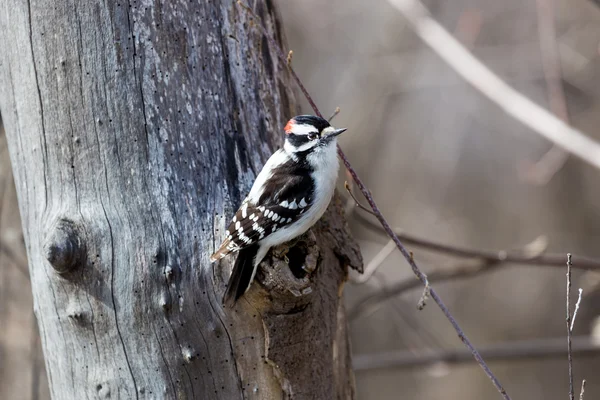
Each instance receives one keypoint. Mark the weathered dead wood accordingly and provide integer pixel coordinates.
(135, 129)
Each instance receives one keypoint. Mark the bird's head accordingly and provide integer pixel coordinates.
(307, 133)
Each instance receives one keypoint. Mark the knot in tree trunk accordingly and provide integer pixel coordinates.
(63, 246)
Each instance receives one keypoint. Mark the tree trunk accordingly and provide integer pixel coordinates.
(135, 130)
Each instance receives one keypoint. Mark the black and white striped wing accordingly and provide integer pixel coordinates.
(279, 206)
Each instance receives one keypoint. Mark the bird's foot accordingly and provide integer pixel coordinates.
(281, 253)
(282, 250)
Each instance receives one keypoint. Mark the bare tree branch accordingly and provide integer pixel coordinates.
(582, 390)
(357, 203)
(569, 343)
(375, 262)
(372, 302)
(484, 80)
(367, 194)
(552, 260)
(506, 351)
(465, 270)
(423, 278)
(570, 324)
(335, 113)
(484, 262)
(576, 309)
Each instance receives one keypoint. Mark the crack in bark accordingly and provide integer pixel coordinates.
(162, 354)
(112, 293)
(140, 81)
(179, 345)
(39, 93)
(232, 350)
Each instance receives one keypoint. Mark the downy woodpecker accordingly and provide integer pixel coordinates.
(288, 196)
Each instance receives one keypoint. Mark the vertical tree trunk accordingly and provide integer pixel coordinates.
(135, 129)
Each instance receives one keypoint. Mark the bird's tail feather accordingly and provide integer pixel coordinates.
(241, 275)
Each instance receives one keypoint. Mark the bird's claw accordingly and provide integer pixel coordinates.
(282, 254)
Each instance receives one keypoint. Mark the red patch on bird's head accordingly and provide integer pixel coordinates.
(289, 126)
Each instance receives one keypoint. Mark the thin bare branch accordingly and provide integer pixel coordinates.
(507, 351)
(358, 204)
(569, 343)
(552, 260)
(375, 262)
(484, 80)
(582, 390)
(424, 296)
(464, 270)
(423, 278)
(282, 56)
(576, 308)
(372, 302)
(350, 203)
(335, 113)
(543, 170)
(416, 270)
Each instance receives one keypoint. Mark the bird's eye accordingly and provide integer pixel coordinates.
(312, 136)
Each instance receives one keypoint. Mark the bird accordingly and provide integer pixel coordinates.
(289, 195)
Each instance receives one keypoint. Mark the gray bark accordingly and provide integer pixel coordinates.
(135, 129)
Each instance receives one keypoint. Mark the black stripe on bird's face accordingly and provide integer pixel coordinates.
(300, 142)
(297, 140)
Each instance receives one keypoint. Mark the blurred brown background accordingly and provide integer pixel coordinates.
(444, 163)
(22, 373)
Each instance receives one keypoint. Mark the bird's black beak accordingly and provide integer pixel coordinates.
(336, 132)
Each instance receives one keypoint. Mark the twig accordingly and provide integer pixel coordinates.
(424, 296)
(576, 309)
(569, 344)
(358, 204)
(375, 263)
(507, 351)
(414, 333)
(282, 56)
(582, 390)
(372, 302)
(465, 270)
(542, 171)
(554, 260)
(570, 332)
(350, 203)
(335, 113)
(484, 80)
(389, 230)
(423, 278)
